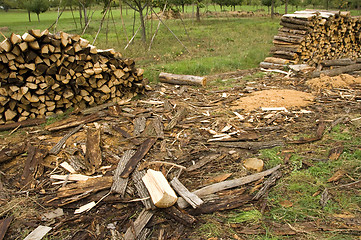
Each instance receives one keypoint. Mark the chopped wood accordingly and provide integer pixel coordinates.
(68, 167)
(120, 184)
(93, 155)
(4, 225)
(142, 190)
(189, 197)
(134, 230)
(216, 187)
(140, 153)
(180, 215)
(56, 149)
(38, 233)
(160, 191)
(182, 79)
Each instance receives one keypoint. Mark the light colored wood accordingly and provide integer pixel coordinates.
(6, 45)
(15, 38)
(38, 233)
(160, 191)
(28, 37)
(182, 79)
(189, 197)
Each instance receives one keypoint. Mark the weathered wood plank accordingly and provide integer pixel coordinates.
(120, 184)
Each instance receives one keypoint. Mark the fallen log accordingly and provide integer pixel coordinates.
(182, 79)
(26, 123)
(338, 62)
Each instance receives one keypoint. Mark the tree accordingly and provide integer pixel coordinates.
(36, 6)
(139, 6)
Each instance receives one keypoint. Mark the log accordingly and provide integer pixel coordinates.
(12, 151)
(182, 79)
(338, 62)
(337, 71)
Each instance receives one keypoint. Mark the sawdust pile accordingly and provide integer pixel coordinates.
(326, 82)
(274, 98)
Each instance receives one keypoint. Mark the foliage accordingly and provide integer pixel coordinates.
(37, 6)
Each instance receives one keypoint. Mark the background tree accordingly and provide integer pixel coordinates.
(37, 6)
(139, 6)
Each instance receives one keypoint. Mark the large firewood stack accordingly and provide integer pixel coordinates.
(43, 73)
(313, 36)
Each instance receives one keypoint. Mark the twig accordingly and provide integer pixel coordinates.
(170, 30)
(15, 130)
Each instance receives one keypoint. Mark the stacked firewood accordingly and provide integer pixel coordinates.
(42, 74)
(314, 36)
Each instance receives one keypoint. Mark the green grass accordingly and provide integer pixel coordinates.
(252, 216)
(302, 187)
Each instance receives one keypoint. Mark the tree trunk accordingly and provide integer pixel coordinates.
(142, 25)
(183, 7)
(198, 14)
(80, 17)
(85, 16)
(38, 17)
(29, 16)
(273, 9)
(286, 6)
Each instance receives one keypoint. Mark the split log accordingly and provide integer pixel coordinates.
(182, 79)
(160, 191)
(227, 185)
(142, 190)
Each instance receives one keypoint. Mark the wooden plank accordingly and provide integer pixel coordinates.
(93, 155)
(38, 233)
(189, 197)
(216, 187)
(120, 184)
(140, 153)
(134, 230)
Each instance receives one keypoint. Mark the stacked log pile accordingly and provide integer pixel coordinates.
(314, 36)
(43, 73)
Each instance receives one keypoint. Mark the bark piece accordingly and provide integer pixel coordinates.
(26, 123)
(74, 121)
(32, 166)
(12, 151)
(4, 225)
(204, 161)
(38, 233)
(120, 184)
(160, 191)
(189, 197)
(182, 79)
(181, 113)
(93, 155)
(180, 216)
(268, 184)
(56, 149)
(142, 190)
(126, 135)
(134, 230)
(223, 203)
(319, 134)
(140, 153)
(139, 126)
(251, 145)
(227, 185)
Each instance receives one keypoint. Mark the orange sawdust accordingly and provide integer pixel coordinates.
(274, 98)
(326, 82)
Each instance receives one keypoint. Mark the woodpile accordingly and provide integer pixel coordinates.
(314, 36)
(42, 74)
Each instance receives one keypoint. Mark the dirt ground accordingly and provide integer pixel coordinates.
(206, 135)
